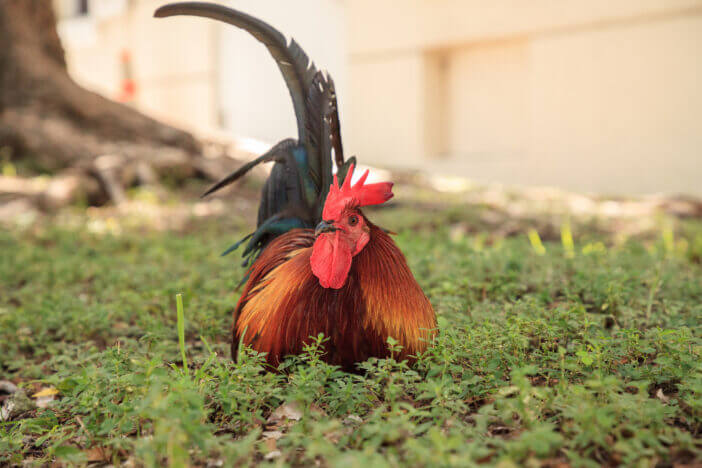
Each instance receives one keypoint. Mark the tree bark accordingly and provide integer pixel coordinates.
(47, 118)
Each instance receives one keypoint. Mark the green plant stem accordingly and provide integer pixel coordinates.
(181, 331)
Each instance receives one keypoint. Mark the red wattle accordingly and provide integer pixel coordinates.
(331, 260)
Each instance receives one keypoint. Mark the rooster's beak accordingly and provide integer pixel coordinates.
(324, 226)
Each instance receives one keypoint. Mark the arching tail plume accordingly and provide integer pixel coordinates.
(294, 193)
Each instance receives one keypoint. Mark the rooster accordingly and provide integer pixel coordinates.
(318, 265)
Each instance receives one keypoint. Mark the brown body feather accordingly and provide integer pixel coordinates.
(283, 304)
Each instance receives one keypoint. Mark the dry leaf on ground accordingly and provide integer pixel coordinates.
(45, 397)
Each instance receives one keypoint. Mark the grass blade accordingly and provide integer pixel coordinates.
(181, 331)
(536, 243)
(567, 240)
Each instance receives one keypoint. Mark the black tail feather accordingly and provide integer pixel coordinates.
(295, 191)
(274, 154)
(292, 61)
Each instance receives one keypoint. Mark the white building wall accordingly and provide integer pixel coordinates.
(594, 96)
(619, 109)
(583, 96)
(488, 109)
(386, 122)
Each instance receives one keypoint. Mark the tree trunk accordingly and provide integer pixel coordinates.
(50, 121)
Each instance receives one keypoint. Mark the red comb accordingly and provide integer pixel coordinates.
(359, 195)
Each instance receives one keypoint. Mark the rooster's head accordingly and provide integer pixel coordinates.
(344, 231)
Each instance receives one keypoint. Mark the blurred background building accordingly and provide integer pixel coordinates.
(589, 95)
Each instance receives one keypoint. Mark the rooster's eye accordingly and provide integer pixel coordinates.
(353, 220)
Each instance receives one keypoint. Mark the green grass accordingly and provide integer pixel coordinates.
(584, 353)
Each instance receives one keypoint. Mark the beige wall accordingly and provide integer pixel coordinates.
(589, 95)
(382, 26)
(593, 96)
(386, 125)
(488, 112)
(620, 107)
(173, 62)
